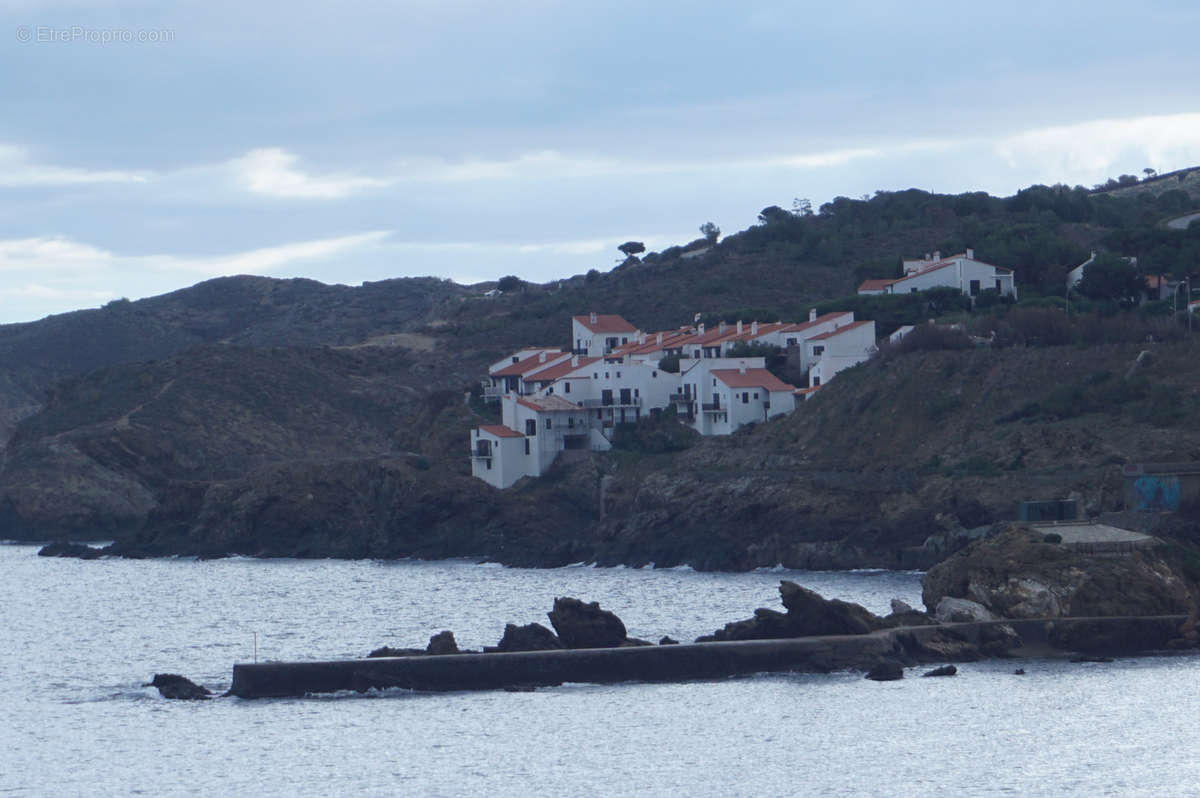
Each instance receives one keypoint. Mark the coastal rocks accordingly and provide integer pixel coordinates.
(172, 685)
(957, 610)
(887, 670)
(903, 614)
(530, 637)
(808, 614)
(945, 670)
(442, 643)
(388, 651)
(581, 625)
(1017, 574)
(62, 548)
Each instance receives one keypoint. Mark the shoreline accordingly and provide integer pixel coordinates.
(905, 645)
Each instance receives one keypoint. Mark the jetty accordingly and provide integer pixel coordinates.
(713, 660)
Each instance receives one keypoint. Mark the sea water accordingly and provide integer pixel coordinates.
(80, 639)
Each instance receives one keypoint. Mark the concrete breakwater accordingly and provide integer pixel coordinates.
(909, 645)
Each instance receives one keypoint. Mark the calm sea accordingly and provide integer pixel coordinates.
(80, 638)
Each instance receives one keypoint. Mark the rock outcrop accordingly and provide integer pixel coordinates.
(808, 614)
(63, 548)
(1019, 575)
(530, 637)
(581, 625)
(172, 685)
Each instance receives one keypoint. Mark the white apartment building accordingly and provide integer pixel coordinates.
(962, 271)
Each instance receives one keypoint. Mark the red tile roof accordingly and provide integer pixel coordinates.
(606, 324)
(561, 370)
(527, 365)
(822, 319)
(844, 328)
(500, 431)
(875, 285)
(753, 378)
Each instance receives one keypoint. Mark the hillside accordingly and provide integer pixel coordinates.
(259, 416)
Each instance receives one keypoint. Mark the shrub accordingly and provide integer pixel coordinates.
(1052, 537)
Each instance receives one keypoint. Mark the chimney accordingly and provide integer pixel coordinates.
(754, 328)
(658, 340)
(739, 327)
(812, 314)
(592, 317)
(937, 254)
(721, 329)
(741, 367)
(574, 361)
(926, 258)
(970, 253)
(541, 357)
(700, 328)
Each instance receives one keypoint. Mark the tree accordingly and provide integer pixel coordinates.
(509, 283)
(710, 231)
(802, 206)
(631, 248)
(1149, 172)
(773, 213)
(1112, 278)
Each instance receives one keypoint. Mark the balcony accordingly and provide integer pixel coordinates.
(679, 398)
(593, 404)
(711, 407)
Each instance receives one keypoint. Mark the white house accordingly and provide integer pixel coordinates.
(499, 455)
(962, 271)
(721, 394)
(505, 376)
(838, 350)
(596, 335)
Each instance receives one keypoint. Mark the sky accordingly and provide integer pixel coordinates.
(146, 146)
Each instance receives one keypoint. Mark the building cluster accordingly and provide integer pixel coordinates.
(554, 400)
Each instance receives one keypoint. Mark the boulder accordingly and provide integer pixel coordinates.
(442, 643)
(811, 614)
(957, 610)
(886, 670)
(581, 625)
(530, 637)
(945, 670)
(901, 607)
(172, 685)
(1016, 574)
(668, 641)
(808, 614)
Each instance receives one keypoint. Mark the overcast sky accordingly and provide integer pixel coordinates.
(145, 146)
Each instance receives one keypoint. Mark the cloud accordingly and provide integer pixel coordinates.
(61, 260)
(1092, 150)
(272, 172)
(18, 171)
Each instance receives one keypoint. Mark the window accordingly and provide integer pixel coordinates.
(791, 342)
(999, 290)
(636, 394)
(914, 291)
(566, 387)
(570, 422)
(818, 350)
(654, 374)
(696, 354)
(549, 423)
(489, 463)
(816, 381)
(745, 397)
(606, 375)
(550, 390)
(530, 427)
(526, 449)
(618, 375)
(516, 359)
(714, 382)
(595, 375)
(756, 394)
(974, 288)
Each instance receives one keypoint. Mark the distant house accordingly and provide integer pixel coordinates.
(838, 350)
(1157, 286)
(596, 335)
(962, 271)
